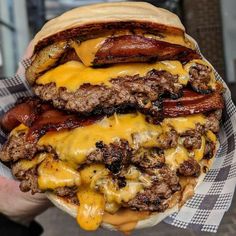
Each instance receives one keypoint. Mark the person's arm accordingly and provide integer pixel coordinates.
(11, 228)
(19, 209)
(18, 206)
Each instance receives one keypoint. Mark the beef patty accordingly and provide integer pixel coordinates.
(130, 91)
(141, 93)
(118, 157)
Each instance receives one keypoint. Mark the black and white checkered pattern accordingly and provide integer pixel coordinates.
(212, 198)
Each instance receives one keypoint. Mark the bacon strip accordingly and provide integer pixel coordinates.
(136, 48)
(192, 103)
(41, 118)
(54, 120)
(23, 113)
(94, 30)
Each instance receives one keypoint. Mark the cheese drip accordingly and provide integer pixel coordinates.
(74, 145)
(91, 208)
(87, 174)
(29, 164)
(175, 156)
(125, 220)
(95, 177)
(73, 74)
(182, 124)
(55, 173)
(87, 50)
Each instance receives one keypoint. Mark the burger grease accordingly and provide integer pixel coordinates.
(124, 124)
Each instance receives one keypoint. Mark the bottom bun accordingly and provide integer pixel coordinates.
(152, 220)
(71, 209)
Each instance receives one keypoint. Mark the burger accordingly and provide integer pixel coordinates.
(123, 124)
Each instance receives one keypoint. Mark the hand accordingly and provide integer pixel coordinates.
(18, 206)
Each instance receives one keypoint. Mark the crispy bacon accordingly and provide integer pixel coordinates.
(115, 49)
(94, 30)
(54, 120)
(41, 118)
(25, 113)
(137, 48)
(192, 103)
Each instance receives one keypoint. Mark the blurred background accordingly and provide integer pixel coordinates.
(211, 22)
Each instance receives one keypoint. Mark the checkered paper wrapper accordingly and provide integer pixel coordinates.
(212, 198)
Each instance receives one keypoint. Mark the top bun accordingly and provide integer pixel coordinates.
(121, 15)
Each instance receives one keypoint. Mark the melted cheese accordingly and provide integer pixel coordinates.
(98, 178)
(87, 49)
(19, 128)
(29, 164)
(182, 124)
(175, 156)
(55, 173)
(76, 144)
(88, 173)
(132, 173)
(112, 207)
(211, 136)
(199, 153)
(172, 38)
(125, 220)
(91, 208)
(73, 74)
(113, 194)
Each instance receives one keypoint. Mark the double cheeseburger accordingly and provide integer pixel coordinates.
(123, 124)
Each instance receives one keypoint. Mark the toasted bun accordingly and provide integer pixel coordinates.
(86, 19)
(152, 220)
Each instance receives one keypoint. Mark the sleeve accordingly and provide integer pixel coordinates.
(11, 228)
